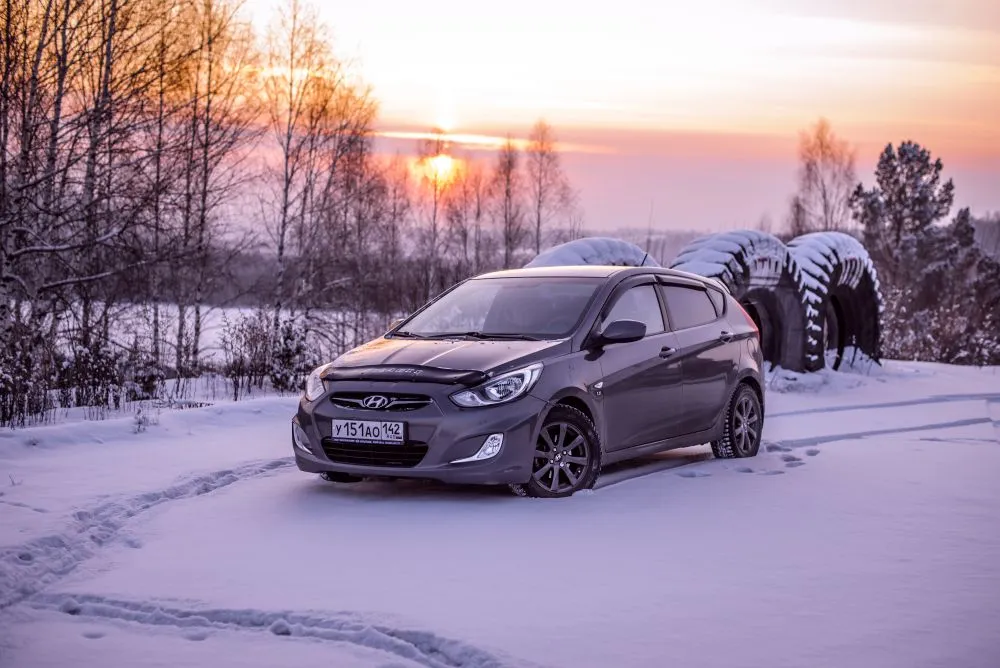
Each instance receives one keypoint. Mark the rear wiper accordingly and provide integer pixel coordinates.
(483, 336)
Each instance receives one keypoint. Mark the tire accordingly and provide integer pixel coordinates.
(744, 406)
(840, 278)
(763, 277)
(567, 456)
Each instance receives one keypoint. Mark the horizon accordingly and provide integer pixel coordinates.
(676, 105)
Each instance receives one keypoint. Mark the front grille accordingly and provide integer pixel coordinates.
(395, 402)
(373, 454)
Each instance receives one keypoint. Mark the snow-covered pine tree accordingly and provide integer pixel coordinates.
(942, 293)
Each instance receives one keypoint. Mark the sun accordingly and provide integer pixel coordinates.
(441, 168)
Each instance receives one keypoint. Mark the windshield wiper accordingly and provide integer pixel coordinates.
(483, 336)
(408, 335)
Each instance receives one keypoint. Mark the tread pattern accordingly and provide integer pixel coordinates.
(724, 448)
(523, 489)
(837, 262)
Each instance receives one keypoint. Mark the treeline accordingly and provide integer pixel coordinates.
(940, 277)
(150, 148)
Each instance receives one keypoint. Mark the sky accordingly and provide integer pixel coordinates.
(690, 110)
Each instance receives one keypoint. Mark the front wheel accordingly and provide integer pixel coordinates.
(744, 423)
(567, 456)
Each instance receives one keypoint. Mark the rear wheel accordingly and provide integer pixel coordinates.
(744, 423)
(567, 456)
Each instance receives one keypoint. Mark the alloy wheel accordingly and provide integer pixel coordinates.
(562, 456)
(746, 424)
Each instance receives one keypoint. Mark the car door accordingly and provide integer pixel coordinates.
(643, 393)
(708, 353)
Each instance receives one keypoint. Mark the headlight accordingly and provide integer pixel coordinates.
(503, 388)
(314, 384)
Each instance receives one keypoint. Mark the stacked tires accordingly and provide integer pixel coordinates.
(594, 250)
(816, 300)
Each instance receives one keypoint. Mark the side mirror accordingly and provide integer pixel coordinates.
(395, 323)
(621, 331)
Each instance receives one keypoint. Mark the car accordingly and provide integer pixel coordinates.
(536, 378)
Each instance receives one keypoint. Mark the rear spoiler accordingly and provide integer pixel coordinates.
(406, 372)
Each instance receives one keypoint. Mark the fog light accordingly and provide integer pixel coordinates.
(491, 448)
(299, 438)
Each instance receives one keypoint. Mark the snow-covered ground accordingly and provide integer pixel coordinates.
(865, 534)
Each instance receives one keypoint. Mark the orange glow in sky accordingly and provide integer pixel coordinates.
(739, 78)
(436, 172)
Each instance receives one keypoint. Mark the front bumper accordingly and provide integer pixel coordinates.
(449, 433)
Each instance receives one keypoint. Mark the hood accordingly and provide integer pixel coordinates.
(441, 361)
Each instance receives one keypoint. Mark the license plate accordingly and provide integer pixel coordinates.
(368, 431)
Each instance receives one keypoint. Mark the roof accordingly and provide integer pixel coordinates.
(592, 271)
(568, 271)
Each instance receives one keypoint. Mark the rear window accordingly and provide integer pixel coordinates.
(688, 307)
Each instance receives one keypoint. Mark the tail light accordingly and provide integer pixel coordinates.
(750, 321)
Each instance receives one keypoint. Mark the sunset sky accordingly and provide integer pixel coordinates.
(693, 107)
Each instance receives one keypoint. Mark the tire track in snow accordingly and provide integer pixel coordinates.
(820, 440)
(25, 569)
(937, 399)
(422, 647)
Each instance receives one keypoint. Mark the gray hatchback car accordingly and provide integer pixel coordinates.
(535, 378)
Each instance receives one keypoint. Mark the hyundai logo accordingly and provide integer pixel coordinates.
(375, 402)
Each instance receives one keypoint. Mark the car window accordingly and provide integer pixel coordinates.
(688, 307)
(718, 300)
(638, 303)
(545, 308)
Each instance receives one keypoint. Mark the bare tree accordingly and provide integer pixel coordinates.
(508, 201)
(548, 191)
(466, 209)
(826, 178)
(436, 176)
(297, 61)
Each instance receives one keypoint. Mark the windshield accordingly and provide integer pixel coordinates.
(540, 308)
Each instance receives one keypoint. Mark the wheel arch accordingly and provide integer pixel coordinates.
(747, 377)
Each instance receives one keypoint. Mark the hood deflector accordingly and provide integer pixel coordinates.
(406, 372)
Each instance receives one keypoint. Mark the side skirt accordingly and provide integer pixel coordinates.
(685, 441)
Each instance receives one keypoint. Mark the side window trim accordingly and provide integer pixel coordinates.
(622, 288)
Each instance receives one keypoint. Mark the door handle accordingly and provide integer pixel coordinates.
(667, 351)
(725, 336)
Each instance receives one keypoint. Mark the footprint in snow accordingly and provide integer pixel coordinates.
(790, 458)
(777, 447)
(774, 472)
(26, 557)
(791, 465)
(196, 636)
(281, 628)
(93, 635)
(744, 469)
(812, 452)
(693, 474)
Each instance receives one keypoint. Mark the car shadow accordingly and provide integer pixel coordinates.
(432, 490)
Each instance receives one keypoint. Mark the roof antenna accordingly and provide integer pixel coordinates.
(649, 234)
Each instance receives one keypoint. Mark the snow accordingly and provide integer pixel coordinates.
(594, 250)
(744, 257)
(818, 253)
(864, 534)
